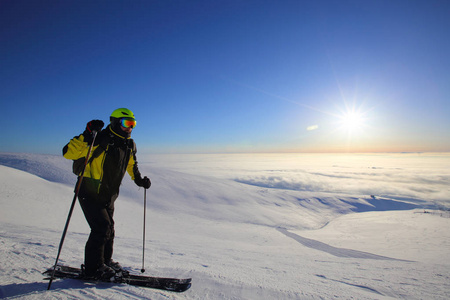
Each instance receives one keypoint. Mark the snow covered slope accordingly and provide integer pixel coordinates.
(237, 236)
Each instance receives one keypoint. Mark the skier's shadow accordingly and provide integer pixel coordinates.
(338, 252)
(35, 288)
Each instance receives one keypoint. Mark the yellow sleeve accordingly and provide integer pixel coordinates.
(131, 166)
(76, 148)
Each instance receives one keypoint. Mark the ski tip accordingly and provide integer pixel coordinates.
(182, 288)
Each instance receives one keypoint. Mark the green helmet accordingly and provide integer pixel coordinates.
(122, 113)
(116, 118)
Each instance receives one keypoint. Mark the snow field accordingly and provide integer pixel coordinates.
(237, 241)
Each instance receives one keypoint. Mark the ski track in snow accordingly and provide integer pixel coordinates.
(226, 236)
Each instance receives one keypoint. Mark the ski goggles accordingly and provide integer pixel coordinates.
(128, 123)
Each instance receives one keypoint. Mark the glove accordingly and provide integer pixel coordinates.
(143, 182)
(94, 125)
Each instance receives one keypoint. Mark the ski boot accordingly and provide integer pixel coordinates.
(117, 268)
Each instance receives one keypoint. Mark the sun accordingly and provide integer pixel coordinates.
(352, 120)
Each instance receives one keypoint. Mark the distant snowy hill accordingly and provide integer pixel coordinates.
(49, 167)
(237, 239)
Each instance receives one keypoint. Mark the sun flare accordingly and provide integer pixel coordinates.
(352, 120)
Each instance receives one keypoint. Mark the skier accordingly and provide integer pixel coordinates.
(114, 153)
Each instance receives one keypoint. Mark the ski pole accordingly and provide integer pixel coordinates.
(71, 209)
(143, 238)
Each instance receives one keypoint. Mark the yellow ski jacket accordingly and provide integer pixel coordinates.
(104, 173)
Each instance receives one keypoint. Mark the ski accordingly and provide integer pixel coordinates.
(162, 283)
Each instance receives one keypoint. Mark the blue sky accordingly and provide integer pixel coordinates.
(229, 76)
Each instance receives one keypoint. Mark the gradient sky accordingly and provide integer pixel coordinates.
(229, 76)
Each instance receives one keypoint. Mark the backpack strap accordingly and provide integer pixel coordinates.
(96, 153)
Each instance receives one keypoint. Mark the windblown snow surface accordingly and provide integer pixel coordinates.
(278, 226)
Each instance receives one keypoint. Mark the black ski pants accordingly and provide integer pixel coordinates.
(99, 246)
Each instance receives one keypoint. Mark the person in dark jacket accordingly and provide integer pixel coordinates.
(113, 154)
